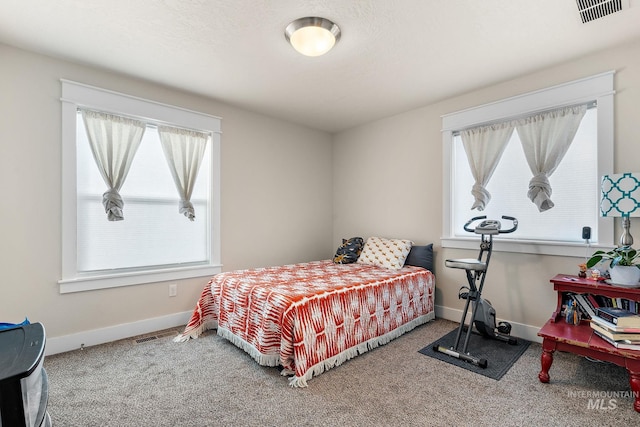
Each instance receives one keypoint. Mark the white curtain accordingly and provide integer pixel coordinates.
(183, 150)
(114, 141)
(484, 146)
(545, 139)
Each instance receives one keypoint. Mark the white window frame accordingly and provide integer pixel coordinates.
(598, 88)
(77, 95)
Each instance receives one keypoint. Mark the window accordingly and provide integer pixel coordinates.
(575, 183)
(154, 242)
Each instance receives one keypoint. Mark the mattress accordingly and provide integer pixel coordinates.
(309, 317)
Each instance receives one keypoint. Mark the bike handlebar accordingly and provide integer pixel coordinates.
(474, 219)
(497, 230)
(514, 223)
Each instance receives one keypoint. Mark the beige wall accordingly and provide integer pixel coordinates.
(276, 197)
(288, 193)
(388, 182)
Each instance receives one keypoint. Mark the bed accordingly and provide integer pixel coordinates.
(310, 317)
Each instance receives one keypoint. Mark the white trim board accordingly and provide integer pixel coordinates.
(84, 339)
(93, 337)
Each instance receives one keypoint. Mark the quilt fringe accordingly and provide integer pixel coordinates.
(196, 331)
(361, 348)
(262, 359)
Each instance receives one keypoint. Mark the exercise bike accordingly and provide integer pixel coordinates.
(483, 315)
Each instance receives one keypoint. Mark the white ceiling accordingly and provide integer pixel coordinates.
(394, 55)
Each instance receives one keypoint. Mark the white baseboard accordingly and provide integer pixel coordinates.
(113, 333)
(519, 330)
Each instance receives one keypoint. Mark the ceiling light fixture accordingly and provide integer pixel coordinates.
(312, 36)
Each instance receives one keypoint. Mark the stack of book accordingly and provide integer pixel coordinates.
(617, 326)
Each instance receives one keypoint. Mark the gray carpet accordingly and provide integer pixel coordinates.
(499, 355)
(210, 382)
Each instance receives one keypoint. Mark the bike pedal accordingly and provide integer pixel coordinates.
(504, 328)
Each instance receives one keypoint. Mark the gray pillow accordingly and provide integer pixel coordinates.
(421, 256)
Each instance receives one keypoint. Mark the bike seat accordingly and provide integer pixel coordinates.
(466, 264)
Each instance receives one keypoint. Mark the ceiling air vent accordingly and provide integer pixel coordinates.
(591, 10)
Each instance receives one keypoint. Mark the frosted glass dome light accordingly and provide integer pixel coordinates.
(312, 36)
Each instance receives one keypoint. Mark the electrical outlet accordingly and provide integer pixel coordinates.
(173, 289)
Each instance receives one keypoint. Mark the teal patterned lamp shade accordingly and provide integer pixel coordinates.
(621, 198)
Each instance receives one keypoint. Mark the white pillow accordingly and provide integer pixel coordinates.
(387, 253)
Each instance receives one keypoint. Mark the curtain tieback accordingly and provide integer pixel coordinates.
(540, 192)
(186, 208)
(113, 205)
(481, 195)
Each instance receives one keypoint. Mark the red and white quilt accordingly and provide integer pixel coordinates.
(312, 316)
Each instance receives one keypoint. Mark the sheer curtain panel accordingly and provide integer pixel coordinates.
(545, 139)
(484, 146)
(183, 150)
(114, 141)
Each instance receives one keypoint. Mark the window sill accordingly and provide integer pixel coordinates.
(81, 284)
(525, 246)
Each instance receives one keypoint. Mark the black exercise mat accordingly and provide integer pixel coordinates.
(499, 354)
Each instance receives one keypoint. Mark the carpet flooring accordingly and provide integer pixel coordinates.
(499, 355)
(210, 382)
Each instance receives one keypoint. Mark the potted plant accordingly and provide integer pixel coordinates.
(623, 264)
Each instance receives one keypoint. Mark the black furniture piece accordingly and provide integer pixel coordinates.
(483, 315)
(24, 387)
